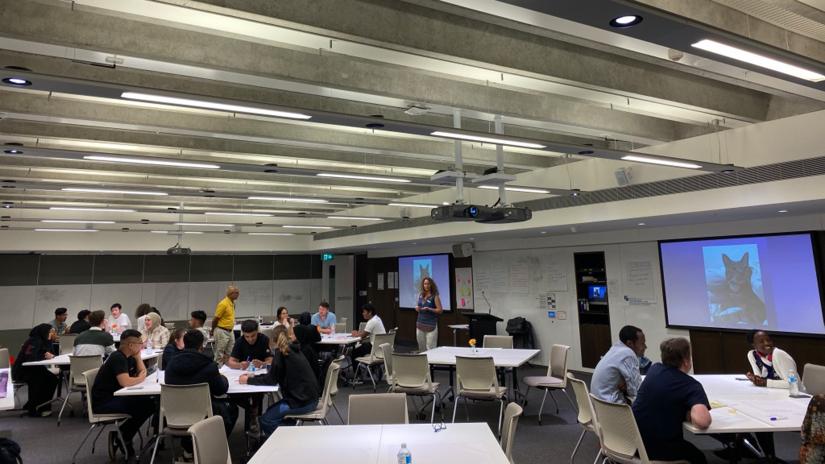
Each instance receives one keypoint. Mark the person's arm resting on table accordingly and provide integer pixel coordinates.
(125, 380)
(699, 416)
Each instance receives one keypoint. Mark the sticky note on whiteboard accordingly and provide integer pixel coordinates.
(551, 314)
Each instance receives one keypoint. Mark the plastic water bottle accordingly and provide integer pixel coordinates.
(793, 383)
(404, 455)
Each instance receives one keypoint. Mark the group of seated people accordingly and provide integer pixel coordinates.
(669, 396)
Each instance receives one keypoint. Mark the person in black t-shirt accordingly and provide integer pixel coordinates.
(82, 323)
(252, 348)
(669, 396)
(123, 368)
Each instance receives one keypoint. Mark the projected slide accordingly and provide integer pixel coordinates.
(411, 269)
(766, 282)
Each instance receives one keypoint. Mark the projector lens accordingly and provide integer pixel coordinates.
(472, 211)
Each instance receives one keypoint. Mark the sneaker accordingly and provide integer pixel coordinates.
(46, 413)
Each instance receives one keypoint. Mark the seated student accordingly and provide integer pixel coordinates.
(95, 341)
(666, 398)
(81, 324)
(306, 335)
(282, 317)
(119, 321)
(41, 382)
(191, 366)
(252, 348)
(154, 334)
(293, 373)
(812, 450)
(124, 368)
(197, 322)
(373, 327)
(174, 347)
(59, 321)
(617, 377)
(323, 319)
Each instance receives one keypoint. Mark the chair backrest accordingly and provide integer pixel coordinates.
(558, 363)
(497, 341)
(268, 320)
(209, 444)
(386, 353)
(268, 333)
(169, 325)
(380, 339)
(378, 408)
(184, 405)
(79, 365)
(508, 428)
(582, 400)
(333, 390)
(67, 344)
(340, 327)
(411, 370)
(4, 358)
(89, 377)
(330, 384)
(813, 377)
(618, 433)
(475, 373)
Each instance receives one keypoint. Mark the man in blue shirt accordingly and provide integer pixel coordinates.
(617, 378)
(668, 397)
(323, 319)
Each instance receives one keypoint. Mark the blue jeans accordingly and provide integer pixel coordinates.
(274, 416)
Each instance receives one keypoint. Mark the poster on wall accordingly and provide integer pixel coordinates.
(464, 287)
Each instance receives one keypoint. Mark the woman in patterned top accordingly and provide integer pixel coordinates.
(813, 433)
(428, 308)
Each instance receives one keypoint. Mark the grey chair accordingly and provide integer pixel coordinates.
(813, 378)
(67, 343)
(320, 412)
(99, 420)
(585, 417)
(77, 382)
(556, 378)
(476, 379)
(209, 444)
(376, 356)
(508, 430)
(411, 375)
(497, 341)
(378, 408)
(182, 406)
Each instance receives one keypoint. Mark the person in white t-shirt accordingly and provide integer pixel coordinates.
(118, 321)
(373, 327)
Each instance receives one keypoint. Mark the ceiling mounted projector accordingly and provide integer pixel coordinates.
(482, 214)
(178, 250)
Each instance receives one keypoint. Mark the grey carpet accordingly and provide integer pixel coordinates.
(43, 442)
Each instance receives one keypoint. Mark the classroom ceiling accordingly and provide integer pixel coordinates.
(270, 108)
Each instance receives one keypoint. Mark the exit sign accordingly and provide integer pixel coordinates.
(327, 257)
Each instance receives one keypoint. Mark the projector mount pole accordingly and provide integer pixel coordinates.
(459, 161)
(502, 190)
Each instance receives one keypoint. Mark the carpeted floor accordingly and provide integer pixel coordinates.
(43, 442)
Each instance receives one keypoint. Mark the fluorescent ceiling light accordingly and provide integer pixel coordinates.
(663, 162)
(74, 221)
(359, 177)
(293, 199)
(65, 230)
(102, 210)
(758, 60)
(120, 192)
(179, 164)
(270, 233)
(411, 205)
(515, 189)
(207, 224)
(192, 232)
(209, 105)
(476, 138)
(308, 227)
(355, 218)
(160, 231)
(218, 213)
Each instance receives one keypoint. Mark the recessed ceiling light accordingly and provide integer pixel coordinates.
(219, 213)
(758, 60)
(13, 151)
(661, 162)
(543, 232)
(782, 211)
(74, 221)
(151, 162)
(308, 227)
(360, 177)
(626, 21)
(65, 230)
(355, 218)
(292, 199)
(411, 205)
(642, 224)
(205, 224)
(19, 81)
(276, 234)
(209, 105)
(516, 189)
(495, 140)
(102, 210)
(119, 192)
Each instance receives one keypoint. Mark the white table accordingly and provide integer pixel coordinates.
(63, 359)
(7, 402)
(151, 386)
(502, 357)
(237, 327)
(738, 406)
(379, 444)
(338, 339)
(456, 328)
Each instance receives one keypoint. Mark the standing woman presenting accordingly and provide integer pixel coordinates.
(428, 308)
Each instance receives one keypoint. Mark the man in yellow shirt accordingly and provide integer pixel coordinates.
(223, 325)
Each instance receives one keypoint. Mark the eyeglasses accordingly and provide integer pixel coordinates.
(439, 427)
